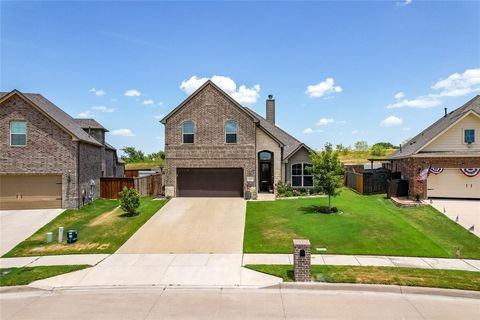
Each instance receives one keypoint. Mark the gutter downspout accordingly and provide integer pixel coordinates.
(78, 174)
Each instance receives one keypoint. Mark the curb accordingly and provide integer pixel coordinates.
(19, 289)
(378, 288)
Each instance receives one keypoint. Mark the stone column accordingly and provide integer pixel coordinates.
(302, 269)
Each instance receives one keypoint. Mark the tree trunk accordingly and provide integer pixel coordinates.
(329, 203)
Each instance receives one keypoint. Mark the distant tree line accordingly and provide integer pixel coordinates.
(378, 149)
(132, 155)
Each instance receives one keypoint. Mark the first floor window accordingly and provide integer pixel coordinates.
(469, 135)
(18, 133)
(301, 176)
(188, 132)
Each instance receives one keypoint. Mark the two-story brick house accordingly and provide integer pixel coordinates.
(47, 158)
(216, 147)
(448, 151)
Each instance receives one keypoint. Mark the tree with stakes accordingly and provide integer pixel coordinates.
(327, 172)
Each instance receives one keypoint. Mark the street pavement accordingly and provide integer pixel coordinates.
(174, 303)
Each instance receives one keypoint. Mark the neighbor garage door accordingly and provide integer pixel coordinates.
(218, 182)
(31, 192)
(452, 183)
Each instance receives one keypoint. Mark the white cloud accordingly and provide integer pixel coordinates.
(355, 132)
(404, 3)
(98, 93)
(322, 88)
(160, 103)
(420, 103)
(457, 84)
(123, 133)
(343, 122)
(103, 109)
(159, 116)
(325, 121)
(391, 121)
(399, 95)
(159, 138)
(242, 94)
(406, 129)
(85, 114)
(310, 130)
(132, 93)
(147, 102)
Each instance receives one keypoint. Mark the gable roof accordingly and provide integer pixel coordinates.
(203, 86)
(289, 143)
(417, 143)
(53, 112)
(88, 123)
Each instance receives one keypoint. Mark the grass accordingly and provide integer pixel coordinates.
(148, 165)
(449, 279)
(364, 225)
(361, 156)
(102, 228)
(26, 275)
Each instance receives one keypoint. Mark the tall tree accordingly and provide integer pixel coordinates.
(327, 172)
(132, 155)
(361, 145)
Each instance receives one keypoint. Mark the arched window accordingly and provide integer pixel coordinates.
(188, 132)
(231, 131)
(301, 176)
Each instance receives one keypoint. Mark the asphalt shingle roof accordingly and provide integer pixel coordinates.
(86, 123)
(60, 116)
(420, 140)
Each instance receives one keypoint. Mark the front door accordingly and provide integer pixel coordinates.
(265, 176)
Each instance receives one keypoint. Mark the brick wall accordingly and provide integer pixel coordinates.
(209, 110)
(264, 142)
(411, 167)
(49, 149)
(90, 168)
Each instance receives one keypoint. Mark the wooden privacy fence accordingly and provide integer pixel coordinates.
(146, 186)
(369, 181)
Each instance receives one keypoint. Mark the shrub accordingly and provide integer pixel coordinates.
(288, 194)
(129, 200)
(296, 193)
(326, 209)
(378, 151)
(283, 188)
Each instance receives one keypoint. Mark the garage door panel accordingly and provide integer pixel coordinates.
(452, 183)
(30, 192)
(210, 182)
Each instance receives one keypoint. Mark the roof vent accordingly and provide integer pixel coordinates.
(445, 111)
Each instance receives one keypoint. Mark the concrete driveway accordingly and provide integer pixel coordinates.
(192, 225)
(467, 211)
(17, 225)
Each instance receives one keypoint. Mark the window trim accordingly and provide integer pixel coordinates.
(183, 133)
(302, 176)
(225, 131)
(10, 135)
(474, 136)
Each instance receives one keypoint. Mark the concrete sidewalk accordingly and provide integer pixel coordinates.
(375, 261)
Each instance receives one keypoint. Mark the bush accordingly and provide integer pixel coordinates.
(283, 188)
(288, 194)
(326, 209)
(378, 151)
(129, 200)
(296, 193)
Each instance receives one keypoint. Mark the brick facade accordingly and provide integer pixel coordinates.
(50, 150)
(208, 110)
(302, 263)
(411, 167)
(265, 142)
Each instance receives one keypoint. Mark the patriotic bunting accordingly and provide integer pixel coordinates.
(436, 170)
(470, 172)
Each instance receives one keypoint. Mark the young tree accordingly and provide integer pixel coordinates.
(327, 172)
(129, 201)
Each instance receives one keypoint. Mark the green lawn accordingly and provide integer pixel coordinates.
(364, 225)
(147, 165)
(450, 279)
(26, 275)
(102, 228)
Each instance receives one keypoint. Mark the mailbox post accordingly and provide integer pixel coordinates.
(302, 270)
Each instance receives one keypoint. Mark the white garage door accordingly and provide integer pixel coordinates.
(452, 183)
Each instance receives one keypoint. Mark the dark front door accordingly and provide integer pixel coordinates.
(265, 176)
(211, 182)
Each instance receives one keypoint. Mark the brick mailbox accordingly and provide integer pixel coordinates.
(302, 269)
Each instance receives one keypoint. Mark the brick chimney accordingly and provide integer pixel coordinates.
(270, 112)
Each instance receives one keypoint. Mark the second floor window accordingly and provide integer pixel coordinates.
(18, 133)
(469, 135)
(188, 132)
(231, 130)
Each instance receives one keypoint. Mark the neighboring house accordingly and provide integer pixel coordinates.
(216, 147)
(451, 149)
(47, 158)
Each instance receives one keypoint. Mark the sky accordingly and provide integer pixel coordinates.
(339, 71)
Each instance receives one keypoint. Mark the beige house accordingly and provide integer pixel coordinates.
(450, 149)
(216, 147)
